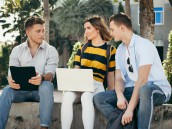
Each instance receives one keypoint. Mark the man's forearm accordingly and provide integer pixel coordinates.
(135, 96)
(119, 88)
(142, 80)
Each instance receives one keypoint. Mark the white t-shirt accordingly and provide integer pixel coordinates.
(142, 52)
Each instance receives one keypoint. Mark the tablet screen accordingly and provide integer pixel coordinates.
(21, 75)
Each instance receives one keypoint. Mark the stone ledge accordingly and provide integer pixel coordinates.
(26, 116)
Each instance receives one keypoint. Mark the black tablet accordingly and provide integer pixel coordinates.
(21, 75)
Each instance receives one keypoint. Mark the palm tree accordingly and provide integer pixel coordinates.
(73, 12)
(70, 18)
(46, 18)
(47, 6)
(147, 19)
(127, 8)
(103, 8)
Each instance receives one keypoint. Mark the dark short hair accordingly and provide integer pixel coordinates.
(32, 21)
(122, 19)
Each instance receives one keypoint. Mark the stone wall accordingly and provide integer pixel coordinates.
(26, 116)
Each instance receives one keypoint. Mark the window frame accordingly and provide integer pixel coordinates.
(154, 15)
(161, 17)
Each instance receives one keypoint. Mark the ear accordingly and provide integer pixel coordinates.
(98, 31)
(122, 27)
(27, 32)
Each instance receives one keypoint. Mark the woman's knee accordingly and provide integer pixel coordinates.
(69, 97)
(86, 97)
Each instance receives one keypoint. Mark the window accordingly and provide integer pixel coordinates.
(159, 15)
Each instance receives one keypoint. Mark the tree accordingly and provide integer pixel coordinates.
(73, 12)
(147, 19)
(4, 59)
(70, 12)
(120, 8)
(127, 8)
(46, 18)
(48, 4)
(103, 8)
(21, 10)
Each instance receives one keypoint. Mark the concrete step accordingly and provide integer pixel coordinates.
(26, 116)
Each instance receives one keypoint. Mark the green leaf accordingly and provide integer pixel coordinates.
(8, 31)
(7, 25)
(2, 21)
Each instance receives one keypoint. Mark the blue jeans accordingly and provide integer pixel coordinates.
(150, 96)
(44, 95)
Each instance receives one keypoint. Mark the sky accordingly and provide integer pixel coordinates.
(8, 36)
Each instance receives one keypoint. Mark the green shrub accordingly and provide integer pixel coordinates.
(76, 46)
(167, 64)
(120, 8)
(4, 59)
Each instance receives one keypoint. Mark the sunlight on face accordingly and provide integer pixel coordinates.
(36, 33)
(115, 31)
(90, 31)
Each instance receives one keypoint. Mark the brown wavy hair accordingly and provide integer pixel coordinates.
(100, 24)
(32, 21)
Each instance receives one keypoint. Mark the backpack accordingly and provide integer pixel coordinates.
(114, 121)
(108, 53)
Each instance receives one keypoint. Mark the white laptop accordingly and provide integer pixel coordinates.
(75, 79)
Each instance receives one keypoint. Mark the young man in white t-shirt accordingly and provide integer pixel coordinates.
(139, 76)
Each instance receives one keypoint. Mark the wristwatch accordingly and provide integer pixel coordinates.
(42, 78)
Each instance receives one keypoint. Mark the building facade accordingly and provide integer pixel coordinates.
(163, 22)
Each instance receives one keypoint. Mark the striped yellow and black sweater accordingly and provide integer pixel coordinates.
(95, 58)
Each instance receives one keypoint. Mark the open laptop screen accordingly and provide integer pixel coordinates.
(75, 79)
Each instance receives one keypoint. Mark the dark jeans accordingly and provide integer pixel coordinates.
(150, 96)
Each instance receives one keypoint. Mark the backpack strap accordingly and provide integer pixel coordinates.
(84, 47)
(108, 53)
